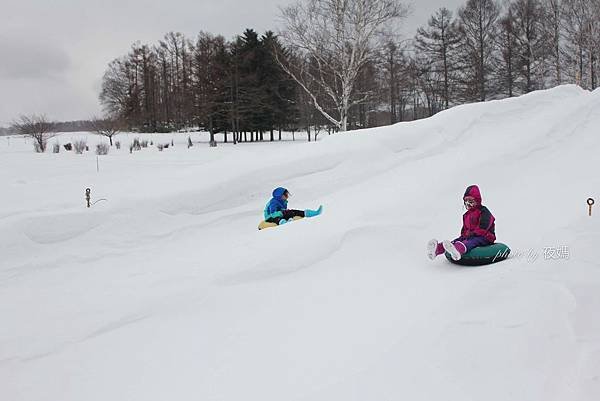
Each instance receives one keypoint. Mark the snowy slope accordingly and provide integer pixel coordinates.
(167, 292)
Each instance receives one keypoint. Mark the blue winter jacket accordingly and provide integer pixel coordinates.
(276, 205)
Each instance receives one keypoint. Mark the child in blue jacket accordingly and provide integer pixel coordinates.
(277, 210)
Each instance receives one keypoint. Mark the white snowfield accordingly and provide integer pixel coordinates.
(167, 291)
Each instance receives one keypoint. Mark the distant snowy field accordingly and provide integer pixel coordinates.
(166, 290)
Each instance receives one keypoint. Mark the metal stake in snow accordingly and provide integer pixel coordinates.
(88, 198)
(590, 203)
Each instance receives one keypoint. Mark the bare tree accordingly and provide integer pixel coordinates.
(594, 41)
(339, 37)
(174, 53)
(580, 24)
(478, 25)
(115, 95)
(108, 127)
(37, 127)
(507, 44)
(554, 10)
(395, 64)
(531, 41)
(439, 41)
(391, 71)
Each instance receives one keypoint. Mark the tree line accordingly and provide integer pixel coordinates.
(491, 51)
(222, 87)
(325, 71)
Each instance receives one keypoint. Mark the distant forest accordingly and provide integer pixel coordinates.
(338, 65)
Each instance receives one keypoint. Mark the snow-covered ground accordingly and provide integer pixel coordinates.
(166, 291)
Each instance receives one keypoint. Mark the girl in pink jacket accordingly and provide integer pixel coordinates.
(478, 229)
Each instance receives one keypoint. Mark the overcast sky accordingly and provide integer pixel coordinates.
(53, 52)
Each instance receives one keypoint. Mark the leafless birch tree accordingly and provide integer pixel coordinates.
(339, 37)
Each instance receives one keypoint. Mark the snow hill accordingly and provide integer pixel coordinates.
(166, 291)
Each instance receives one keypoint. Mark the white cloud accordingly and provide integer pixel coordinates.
(26, 59)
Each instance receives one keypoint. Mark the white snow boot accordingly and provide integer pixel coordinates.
(451, 249)
(432, 249)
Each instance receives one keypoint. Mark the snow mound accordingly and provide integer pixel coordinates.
(166, 291)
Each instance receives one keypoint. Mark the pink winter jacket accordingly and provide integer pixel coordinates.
(478, 221)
